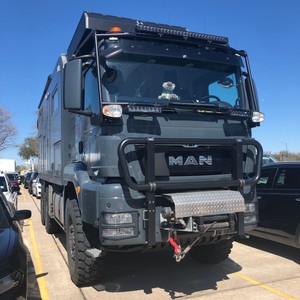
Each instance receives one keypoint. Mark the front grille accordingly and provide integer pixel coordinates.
(200, 161)
(181, 161)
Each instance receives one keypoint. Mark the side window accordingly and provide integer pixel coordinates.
(266, 178)
(91, 95)
(54, 102)
(288, 178)
(3, 185)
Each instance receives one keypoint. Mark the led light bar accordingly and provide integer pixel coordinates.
(241, 113)
(181, 33)
(144, 109)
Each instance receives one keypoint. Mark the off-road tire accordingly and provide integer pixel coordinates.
(50, 223)
(212, 253)
(83, 268)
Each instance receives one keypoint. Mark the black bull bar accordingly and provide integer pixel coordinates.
(150, 185)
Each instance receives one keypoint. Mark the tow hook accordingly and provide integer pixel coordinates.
(179, 254)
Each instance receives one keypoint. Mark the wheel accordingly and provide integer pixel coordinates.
(212, 253)
(83, 268)
(50, 224)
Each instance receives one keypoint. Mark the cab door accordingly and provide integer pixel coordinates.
(282, 202)
(265, 196)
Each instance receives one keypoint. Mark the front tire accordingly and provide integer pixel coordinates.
(83, 268)
(212, 253)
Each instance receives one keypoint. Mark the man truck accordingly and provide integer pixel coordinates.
(145, 143)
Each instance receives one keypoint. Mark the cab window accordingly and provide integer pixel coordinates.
(266, 178)
(288, 178)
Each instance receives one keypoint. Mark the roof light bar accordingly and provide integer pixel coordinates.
(181, 33)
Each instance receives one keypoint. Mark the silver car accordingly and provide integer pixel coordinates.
(36, 187)
(6, 188)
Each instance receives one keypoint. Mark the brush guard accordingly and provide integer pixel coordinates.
(151, 186)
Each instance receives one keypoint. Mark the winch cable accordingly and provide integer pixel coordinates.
(179, 254)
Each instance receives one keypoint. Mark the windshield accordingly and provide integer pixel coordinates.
(141, 79)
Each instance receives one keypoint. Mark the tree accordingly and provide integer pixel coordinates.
(29, 148)
(8, 131)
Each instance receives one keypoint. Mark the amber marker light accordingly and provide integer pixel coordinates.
(115, 29)
(78, 190)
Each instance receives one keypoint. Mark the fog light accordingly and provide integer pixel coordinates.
(250, 219)
(116, 219)
(118, 232)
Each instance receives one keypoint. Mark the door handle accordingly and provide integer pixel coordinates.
(297, 199)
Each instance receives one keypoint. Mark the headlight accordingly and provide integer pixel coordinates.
(113, 111)
(250, 208)
(250, 219)
(120, 232)
(119, 225)
(250, 213)
(258, 117)
(118, 218)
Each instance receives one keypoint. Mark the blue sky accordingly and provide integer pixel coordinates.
(33, 33)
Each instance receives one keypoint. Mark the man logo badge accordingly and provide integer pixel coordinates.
(190, 160)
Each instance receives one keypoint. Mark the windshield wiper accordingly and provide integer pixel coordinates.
(190, 104)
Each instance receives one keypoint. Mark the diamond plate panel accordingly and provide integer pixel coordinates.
(207, 203)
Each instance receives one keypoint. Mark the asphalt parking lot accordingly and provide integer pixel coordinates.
(257, 269)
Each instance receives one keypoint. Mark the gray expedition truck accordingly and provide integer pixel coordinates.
(145, 143)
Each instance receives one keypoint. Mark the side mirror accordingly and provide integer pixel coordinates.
(22, 214)
(251, 93)
(72, 93)
(14, 189)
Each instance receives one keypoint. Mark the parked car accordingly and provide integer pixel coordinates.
(32, 179)
(36, 188)
(6, 188)
(18, 177)
(27, 180)
(14, 182)
(268, 159)
(278, 192)
(13, 254)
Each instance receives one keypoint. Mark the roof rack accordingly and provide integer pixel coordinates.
(99, 23)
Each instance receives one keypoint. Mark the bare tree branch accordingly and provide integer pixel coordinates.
(8, 131)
